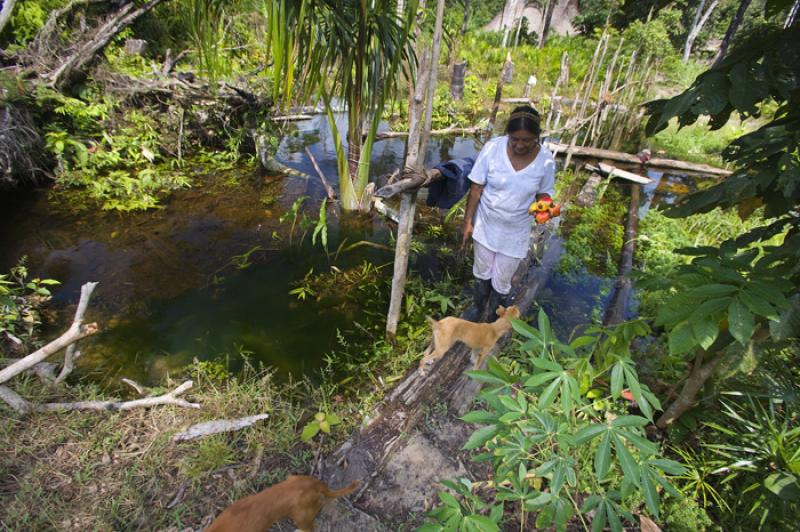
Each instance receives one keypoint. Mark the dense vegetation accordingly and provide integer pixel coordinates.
(686, 415)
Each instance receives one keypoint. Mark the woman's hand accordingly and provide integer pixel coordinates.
(475, 192)
(467, 235)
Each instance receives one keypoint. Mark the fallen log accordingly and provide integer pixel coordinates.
(655, 162)
(436, 132)
(291, 118)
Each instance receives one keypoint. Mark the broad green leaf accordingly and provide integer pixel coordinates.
(784, 485)
(510, 417)
(629, 466)
(480, 523)
(589, 432)
(309, 431)
(547, 364)
(650, 493)
(449, 500)
(757, 305)
(481, 436)
(599, 519)
(549, 394)
(582, 341)
(740, 321)
(602, 457)
(629, 421)
(479, 416)
(526, 330)
(670, 467)
(705, 330)
(770, 293)
(710, 291)
(509, 402)
(613, 518)
(590, 503)
(495, 368)
(681, 339)
(541, 378)
(485, 376)
(616, 379)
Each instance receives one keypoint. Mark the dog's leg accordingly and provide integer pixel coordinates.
(425, 358)
(484, 353)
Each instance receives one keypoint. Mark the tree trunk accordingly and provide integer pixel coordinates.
(434, 71)
(457, 81)
(466, 17)
(546, 21)
(417, 99)
(732, 27)
(697, 26)
(415, 119)
(5, 13)
(102, 36)
(694, 383)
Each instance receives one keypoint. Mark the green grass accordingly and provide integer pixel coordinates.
(697, 142)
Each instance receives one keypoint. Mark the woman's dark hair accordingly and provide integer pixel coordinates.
(524, 117)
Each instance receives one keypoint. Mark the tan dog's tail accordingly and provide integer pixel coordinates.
(341, 492)
(432, 321)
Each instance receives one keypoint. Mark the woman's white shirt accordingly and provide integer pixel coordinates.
(502, 222)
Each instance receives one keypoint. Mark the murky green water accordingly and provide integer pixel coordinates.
(171, 286)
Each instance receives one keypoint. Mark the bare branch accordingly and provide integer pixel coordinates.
(76, 331)
(166, 399)
(208, 428)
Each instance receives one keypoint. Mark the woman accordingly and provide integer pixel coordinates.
(509, 174)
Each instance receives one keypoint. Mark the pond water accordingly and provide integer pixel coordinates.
(208, 275)
(173, 286)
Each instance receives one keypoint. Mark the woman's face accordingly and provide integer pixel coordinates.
(522, 142)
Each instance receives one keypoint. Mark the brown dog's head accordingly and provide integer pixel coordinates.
(510, 313)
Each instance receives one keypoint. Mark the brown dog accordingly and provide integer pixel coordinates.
(299, 497)
(478, 336)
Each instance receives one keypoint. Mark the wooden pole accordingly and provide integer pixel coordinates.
(623, 286)
(433, 76)
(498, 93)
(405, 228)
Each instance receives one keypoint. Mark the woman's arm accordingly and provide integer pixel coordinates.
(475, 192)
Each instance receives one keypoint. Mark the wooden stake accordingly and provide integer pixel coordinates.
(498, 93)
(402, 248)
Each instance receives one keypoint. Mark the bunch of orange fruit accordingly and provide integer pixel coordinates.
(543, 209)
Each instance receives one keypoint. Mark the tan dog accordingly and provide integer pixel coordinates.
(299, 497)
(478, 336)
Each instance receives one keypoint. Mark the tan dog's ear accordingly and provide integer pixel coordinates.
(501, 310)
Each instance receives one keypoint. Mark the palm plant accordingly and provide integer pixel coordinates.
(761, 456)
(207, 30)
(352, 50)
